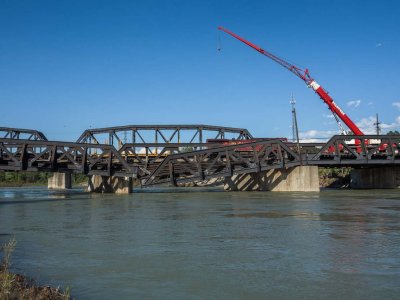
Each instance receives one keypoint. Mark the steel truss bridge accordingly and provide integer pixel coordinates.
(169, 161)
(120, 135)
(18, 133)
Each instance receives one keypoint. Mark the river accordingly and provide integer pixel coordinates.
(207, 244)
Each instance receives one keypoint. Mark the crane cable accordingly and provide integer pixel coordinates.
(342, 130)
(219, 45)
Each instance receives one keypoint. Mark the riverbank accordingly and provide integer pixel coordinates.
(17, 286)
(20, 287)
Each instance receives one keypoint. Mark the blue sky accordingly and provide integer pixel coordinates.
(69, 65)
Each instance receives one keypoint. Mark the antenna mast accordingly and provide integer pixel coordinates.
(295, 128)
(377, 123)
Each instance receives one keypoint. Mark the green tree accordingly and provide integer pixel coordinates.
(391, 132)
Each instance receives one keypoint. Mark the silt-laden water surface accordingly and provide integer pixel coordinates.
(206, 244)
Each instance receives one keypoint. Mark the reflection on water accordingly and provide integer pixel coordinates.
(197, 244)
(274, 214)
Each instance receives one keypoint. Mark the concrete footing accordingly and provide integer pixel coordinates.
(375, 178)
(60, 181)
(111, 184)
(297, 179)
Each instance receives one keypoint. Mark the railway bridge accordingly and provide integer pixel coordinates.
(148, 155)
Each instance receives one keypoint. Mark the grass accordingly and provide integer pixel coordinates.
(16, 286)
(7, 279)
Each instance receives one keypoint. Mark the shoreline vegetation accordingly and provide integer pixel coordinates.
(335, 178)
(21, 179)
(17, 286)
(328, 178)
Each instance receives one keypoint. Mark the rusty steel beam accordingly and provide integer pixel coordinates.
(223, 161)
(120, 135)
(20, 133)
(352, 150)
(90, 159)
(147, 156)
(158, 163)
(259, 156)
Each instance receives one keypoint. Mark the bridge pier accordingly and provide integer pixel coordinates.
(60, 181)
(296, 179)
(111, 184)
(375, 178)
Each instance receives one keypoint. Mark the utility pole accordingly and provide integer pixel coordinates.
(377, 123)
(295, 128)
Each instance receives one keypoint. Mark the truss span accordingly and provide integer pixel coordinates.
(174, 163)
(20, 133)
(132, 134)
(90, 159)
(356, 151)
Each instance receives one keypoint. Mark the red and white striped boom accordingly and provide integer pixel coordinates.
(305, 76)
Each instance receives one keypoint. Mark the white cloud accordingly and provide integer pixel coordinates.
(354, 103)
(312, 136)
(365, 124)
(328, 116)
(378, 45)
(370, 103)
(396, 104)
(368, 127)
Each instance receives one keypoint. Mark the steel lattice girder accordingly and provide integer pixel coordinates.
(118, 136)
(147, 156)
(224, 161)
(19, 133)
(25, 155)
(353, 150)
(173, 163)
(274, 154)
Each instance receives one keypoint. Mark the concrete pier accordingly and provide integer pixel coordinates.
(111, 184)
(60, 181)
(375, 178)
(297, 179)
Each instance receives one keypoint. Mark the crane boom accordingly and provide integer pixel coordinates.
(306, 77)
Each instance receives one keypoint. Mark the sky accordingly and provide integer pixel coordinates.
(66, 66)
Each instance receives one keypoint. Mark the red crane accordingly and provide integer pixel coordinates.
(305, 76)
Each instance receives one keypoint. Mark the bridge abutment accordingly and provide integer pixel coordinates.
(375, 178)
(60, 181)
(111, 184)
(296, 179)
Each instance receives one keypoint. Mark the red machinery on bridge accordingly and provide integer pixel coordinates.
(338, 113)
